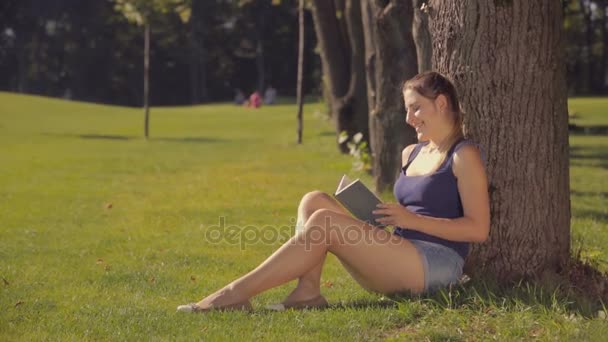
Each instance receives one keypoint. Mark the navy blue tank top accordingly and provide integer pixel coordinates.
(435, 194)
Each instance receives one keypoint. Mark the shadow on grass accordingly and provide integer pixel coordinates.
(588, 130)
(326, 134)
(106, 137)
(592, 156)
(579, 289)
(191, 140)
(130, 137)
(590, 214)
(589, 193)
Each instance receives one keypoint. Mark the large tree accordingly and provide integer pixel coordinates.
(506, 60)
(390, 60)
(340, 41)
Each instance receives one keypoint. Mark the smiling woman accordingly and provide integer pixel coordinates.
(443, 205)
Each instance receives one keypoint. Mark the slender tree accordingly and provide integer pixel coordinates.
(198, 54)
(300, 99)
(142, 12)
(506, 59)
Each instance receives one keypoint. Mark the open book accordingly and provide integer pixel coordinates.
(358, 199)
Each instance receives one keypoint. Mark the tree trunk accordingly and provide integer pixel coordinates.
(146, 78)
(198, 73)
(356, 97)
(369, 34)
(389, 64)
(300, 100)
(587, 74)
(603, 73)
(422, 36)
(506, 60)
(342, 66)
(259, 52)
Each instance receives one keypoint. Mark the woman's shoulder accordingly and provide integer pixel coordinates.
(467, 148)
(467, 154)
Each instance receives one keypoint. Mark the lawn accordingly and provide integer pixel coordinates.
(103, 234)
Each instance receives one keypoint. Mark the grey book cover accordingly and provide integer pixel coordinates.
(358, 199)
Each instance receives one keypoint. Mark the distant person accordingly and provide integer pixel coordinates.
(239, 97)
(270, 95)
(255, 100)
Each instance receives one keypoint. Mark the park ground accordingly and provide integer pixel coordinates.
(103, 234)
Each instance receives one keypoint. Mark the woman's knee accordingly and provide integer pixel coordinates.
(312, 201)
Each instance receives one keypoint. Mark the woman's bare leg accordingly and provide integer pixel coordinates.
(377, 259)
(309, 284)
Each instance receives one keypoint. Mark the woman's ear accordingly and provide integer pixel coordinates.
(442, 103)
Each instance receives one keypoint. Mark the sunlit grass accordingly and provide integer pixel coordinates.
(102, 234)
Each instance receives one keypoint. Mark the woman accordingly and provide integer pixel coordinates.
(443, 205)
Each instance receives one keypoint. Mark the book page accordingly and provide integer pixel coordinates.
(345, 181)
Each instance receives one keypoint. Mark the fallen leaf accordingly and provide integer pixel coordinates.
(107, 267)
(328, 284)
(99, 261)
(108, 205)
(5, 281)
(193, 278)
(152, 280)
(19, 303)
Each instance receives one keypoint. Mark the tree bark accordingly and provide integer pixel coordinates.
(603, 73)
(146, 78)
(587, 75)
(343, 67)
(422, 36)
(506, 59)
(357, 90)
(198, 73)
(390, 59)
(300, 100)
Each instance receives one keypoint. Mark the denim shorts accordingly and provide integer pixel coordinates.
(442, 265)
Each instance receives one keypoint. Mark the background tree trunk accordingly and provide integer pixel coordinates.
(389, 25)
(604, 60)
(146, 78)
(300, 100)
(422, 36)
(198, 73)
(506, 60)
(587, 59)
(343, 66)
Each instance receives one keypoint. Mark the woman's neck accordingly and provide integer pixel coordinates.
(438, 143)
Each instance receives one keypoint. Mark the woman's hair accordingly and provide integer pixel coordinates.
(431, 84)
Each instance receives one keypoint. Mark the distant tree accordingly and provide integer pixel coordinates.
(299, 94)
(198, 52)
(142, 13)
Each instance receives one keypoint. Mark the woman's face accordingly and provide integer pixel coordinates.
(422, 114)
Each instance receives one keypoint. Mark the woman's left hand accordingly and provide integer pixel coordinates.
(394, 214)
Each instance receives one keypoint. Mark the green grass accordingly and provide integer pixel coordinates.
(75, 268)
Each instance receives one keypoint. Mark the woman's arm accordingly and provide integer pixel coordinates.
(474, 226)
